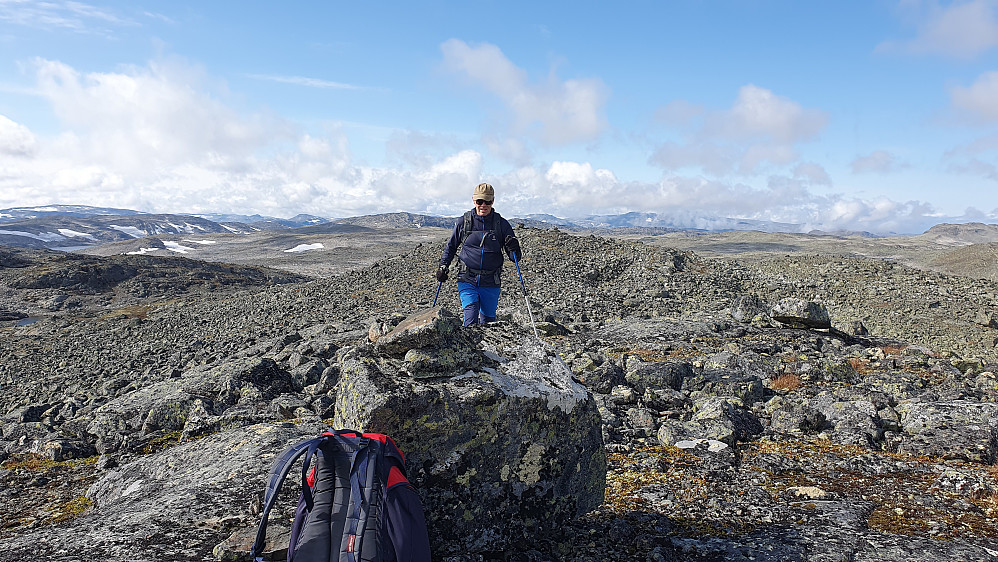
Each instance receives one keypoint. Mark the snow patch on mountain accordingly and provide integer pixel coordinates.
(305, 247)
(130, 230)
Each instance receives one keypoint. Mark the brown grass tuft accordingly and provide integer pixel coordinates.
(861, 366)
(786, 382)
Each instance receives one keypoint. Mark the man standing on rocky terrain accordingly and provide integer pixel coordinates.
(479, 238)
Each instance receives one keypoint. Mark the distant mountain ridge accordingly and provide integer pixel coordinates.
(68, 227)
(398, 220)
(41, 211)
(962, 234)
(71, 232)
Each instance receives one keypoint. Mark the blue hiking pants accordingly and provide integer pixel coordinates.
(480, 303)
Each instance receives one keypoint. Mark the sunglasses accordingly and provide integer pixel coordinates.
(482, 202)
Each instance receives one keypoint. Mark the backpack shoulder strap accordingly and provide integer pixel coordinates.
(466, 227)
(278, 473)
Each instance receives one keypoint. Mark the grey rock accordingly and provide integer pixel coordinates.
(958, 430)
(643, 375)
(986, 318)
(799, 312)
(66, 449)
(853, 422)
(746, 307)
(641, 418)
(216, 473)
(747, 388)
(308, 372)
(728, 411)
(601, 378)
(429, 328)
(513, 447)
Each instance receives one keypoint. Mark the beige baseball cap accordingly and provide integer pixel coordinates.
(484, 191)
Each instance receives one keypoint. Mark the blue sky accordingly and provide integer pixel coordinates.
(873, 115)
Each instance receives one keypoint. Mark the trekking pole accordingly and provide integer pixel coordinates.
(525, 299)
(436, 295)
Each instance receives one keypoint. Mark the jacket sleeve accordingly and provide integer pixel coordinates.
(405, 525)
(507, 230)
(451, 248)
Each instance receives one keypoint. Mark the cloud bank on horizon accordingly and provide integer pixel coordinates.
(892, 130)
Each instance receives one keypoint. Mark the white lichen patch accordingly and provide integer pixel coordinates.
(536, 373)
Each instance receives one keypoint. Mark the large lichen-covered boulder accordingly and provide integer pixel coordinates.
(511, 448)
(129, 422)
(958, 430)
(799, 312)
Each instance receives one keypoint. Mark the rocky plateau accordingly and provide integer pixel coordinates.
(788, 398)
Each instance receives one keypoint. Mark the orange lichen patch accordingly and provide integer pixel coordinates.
(674, 470)
(989, 505)
(686, 353)
(71, 510)
(894, 349)
(33, 462)
(861, 366)
(786, 382)
(30, 461)
(905, 497)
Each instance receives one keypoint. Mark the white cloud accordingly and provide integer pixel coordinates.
(760, 114)
(980, 100)
(710, 157)
(679, 113)
(150, 117)
(812, 173)
(961, 29)
(978, 158)
(975, 167)
(305, 81)
(554, 111)
(62, 15)
(877, 162)
(573, 189)
(158, 138)
(760, 127)
(15, 139)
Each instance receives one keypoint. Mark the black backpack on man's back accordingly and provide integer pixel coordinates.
(356, 504)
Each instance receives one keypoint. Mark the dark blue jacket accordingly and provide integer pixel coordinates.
(480, 260)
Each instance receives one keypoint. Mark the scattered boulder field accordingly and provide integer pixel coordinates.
(675, 407)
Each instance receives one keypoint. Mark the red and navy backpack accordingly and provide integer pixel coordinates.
(356, 504)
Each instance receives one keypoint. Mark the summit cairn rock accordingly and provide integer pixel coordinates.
(428, 328)
(504, 450)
